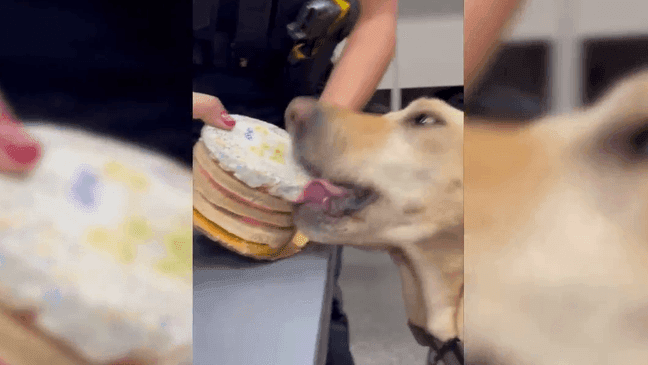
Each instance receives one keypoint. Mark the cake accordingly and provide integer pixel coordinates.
(245, 181)
(96, 255)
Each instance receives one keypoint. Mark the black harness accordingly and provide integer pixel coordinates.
(446, 353)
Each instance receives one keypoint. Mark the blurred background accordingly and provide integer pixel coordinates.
(562, 54)
(119, 68)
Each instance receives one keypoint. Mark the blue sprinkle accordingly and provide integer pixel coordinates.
(53, 297)
(163, 324)
(248, 134)
(84, 189)
(2, 260)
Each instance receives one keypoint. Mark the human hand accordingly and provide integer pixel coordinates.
(210, 110)
(19, 151)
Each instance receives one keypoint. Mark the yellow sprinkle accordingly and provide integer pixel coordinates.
(107, 241)
(138, 182)
(261, 130)
(126, 253)
(257, 151)
(179, 244)
(179, 259)
(278, 154)
(100, 237)
(173, 266)
(103, 239)
(114, 169)
(137, 228)
(134, 180)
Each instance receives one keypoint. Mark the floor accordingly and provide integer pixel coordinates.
(373, 302)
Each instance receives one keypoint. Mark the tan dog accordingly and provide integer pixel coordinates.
(555, 233)
(392, 182)
(556, 236)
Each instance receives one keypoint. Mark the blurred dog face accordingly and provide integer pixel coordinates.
(556, 236)
(393, 178)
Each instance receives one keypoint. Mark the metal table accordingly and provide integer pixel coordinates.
(261, 313)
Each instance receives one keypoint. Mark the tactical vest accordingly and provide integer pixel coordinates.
(252, 38)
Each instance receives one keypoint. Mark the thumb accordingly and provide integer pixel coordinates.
(210, 110)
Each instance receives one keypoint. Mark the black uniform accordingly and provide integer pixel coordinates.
(118, 67)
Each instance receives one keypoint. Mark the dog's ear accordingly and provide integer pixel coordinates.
(617, 126)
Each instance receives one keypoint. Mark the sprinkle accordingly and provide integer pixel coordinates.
(53, 297)
(84, 189)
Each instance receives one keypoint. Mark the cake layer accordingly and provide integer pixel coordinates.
(96, 242)
(259, 154)
(21, 345)
(244, 227)
(244, 247)
(257, 197)
(225, 199)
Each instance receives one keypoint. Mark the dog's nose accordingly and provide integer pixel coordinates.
(300, 113)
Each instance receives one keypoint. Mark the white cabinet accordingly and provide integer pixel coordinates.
(588, 18)
(566, 24)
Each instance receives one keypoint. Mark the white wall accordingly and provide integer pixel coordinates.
(429, 45)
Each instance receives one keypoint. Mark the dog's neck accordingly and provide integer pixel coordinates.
(432, 279)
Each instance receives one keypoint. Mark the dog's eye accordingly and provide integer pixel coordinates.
(424, 119)
(639, 142)
(630, 146)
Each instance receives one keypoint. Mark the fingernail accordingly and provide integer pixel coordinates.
(227, 119)
(24, 155)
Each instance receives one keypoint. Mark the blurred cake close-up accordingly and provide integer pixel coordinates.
(96, 255)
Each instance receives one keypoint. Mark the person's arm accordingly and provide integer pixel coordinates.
(368, 52)
(484, 23)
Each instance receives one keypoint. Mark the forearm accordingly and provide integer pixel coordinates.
(369, 50)
(484, 22)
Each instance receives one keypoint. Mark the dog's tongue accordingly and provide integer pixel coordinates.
(319, 192)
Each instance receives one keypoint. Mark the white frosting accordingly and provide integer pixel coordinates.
(106, 300)
(259, 154)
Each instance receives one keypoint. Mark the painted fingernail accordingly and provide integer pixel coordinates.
(24, 155)
(227, 119)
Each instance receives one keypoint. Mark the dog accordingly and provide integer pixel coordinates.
(556, 213)
(394, 183)
(556, 235)
(556, 241)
